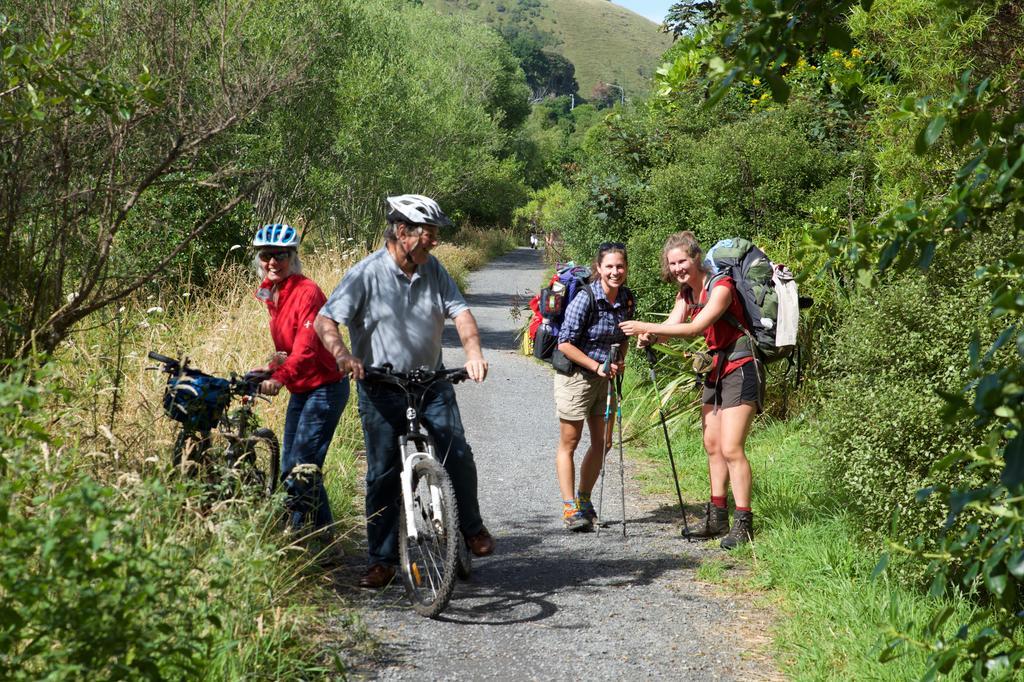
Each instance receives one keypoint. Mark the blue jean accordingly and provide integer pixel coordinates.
(382, 411)
(308, 429)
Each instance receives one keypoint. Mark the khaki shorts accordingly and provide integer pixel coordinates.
(580, 395)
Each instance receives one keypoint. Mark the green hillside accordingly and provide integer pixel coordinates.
(604, 41)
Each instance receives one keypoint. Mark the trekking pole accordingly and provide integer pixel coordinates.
(606, 436)
(652, 360)
(622, 466)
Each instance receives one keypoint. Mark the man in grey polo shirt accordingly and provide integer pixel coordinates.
(394, 303)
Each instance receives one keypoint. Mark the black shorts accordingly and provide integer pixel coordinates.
(745, 384)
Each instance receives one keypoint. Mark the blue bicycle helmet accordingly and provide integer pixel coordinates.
(277, 234)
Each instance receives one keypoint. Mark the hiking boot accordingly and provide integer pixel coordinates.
(742, 531)
(377, 576)
(714, 523)
(481, 544)
(575, 520)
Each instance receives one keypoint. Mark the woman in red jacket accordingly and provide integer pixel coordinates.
(733, 390)
(318, 390)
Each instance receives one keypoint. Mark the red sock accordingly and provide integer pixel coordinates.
(745, 509)
(718, 501)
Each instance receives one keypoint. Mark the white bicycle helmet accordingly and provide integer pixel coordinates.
(416, 209)
(277, 234)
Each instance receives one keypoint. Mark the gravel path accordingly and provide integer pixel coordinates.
(548, 604)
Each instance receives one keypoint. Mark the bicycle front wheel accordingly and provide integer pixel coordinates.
(428, 562)
(259, 467)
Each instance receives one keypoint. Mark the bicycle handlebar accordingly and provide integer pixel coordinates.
(162, 358)
(247, 384)
(419, 377)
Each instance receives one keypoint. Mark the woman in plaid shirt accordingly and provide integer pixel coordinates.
(590, 328)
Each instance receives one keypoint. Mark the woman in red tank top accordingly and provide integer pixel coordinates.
(732, 393)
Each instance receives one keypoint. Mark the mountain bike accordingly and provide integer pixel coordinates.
(249, 459)
(431, 550)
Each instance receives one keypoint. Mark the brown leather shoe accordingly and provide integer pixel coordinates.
(481, 544)
(377, 576)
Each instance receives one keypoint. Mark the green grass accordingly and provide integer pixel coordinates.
(256, 605)
(154, 579)
(605, 42)
(833, 620)
(713, 570)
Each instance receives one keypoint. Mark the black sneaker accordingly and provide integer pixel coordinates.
(714, 523)
(742, 531)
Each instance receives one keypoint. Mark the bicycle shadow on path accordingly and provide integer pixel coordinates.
(526, 579)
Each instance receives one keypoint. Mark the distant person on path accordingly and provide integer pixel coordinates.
(734, 387)
(533, 240)
(319, 391)
(394, 303)
(590, 328)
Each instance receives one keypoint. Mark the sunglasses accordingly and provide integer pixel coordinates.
(279, 256)
(608, 246)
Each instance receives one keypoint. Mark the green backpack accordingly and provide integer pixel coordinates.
(771, 306)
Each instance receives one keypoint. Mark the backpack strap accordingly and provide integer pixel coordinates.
(591, 305)
(588, 317)
(629, 303)
(743, 347)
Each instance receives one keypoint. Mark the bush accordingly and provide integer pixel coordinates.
(137, 579)
(729, 182)
(884, 425)
(138, 583)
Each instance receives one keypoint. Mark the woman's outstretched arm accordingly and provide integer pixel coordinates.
(718, 303)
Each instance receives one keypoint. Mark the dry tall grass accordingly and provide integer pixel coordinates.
(471, 249)
(105, 417)
(110, 404)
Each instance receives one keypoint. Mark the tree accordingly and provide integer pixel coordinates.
(101, 116)
(979, 119)
(548, 74)
(685, 17)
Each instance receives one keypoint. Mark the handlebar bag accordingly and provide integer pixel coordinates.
(196, 399)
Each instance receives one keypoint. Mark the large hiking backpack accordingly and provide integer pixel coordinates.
(568, 280)
(771, 306)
